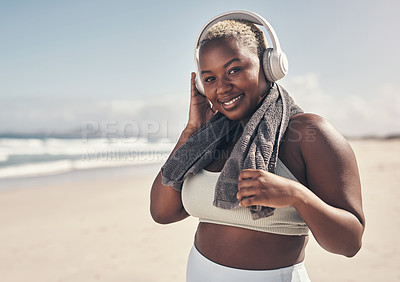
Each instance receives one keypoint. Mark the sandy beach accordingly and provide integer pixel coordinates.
(94, 225)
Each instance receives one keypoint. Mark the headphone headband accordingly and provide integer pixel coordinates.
(241, 15)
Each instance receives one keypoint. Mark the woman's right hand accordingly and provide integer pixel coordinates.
(200, 111)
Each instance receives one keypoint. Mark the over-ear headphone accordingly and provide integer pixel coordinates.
(275, 64)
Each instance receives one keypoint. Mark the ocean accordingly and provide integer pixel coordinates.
(27, 157)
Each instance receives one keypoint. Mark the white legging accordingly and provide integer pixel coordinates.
(201, 269)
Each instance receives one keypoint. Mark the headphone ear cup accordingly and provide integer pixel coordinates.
(199, 84)
(275, 64)
(266, 65)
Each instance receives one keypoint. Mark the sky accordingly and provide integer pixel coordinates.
(65, 65)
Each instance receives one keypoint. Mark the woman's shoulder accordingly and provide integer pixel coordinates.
(307, 126)
(315, 135)
(304, 121)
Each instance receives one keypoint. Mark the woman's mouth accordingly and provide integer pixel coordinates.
(229, 105)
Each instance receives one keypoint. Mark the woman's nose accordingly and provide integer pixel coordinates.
(223, 86)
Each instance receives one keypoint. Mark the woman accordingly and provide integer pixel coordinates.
(310, 180)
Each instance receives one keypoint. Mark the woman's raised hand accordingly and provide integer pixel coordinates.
(200, 111)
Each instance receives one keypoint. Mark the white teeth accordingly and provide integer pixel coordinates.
(232, 101)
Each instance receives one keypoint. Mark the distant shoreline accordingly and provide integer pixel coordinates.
(74, 135)
(374, 137)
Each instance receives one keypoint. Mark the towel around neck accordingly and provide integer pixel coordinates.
(257, 148)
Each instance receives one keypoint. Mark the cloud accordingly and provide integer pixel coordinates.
(376, 113)
(307, 92)
(166, 114)
(353, 115)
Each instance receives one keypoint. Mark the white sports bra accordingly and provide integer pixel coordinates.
(198, 195)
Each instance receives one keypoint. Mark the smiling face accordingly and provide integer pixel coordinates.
(233, 79)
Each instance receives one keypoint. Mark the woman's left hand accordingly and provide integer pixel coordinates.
(260, 187)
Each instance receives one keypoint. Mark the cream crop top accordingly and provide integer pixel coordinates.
(198, 195)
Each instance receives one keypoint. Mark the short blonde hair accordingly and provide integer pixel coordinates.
(244, 31)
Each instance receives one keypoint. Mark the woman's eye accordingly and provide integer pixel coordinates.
(233, 70)
(209, 79)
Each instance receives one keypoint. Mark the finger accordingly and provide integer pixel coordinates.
(194, 90)
(247, 183)
(250, 201)
(192, 77)
(246, 193)
(249, 173)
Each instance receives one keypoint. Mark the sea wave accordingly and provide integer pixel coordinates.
(33, 157)
(53, 146)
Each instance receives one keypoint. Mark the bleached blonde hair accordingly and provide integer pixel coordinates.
(246, 32)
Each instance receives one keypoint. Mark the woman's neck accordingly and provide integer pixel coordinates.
(245, 120)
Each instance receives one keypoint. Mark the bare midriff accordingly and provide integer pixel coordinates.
(248, 249)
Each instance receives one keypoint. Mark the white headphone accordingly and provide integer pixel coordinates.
(275, 64)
